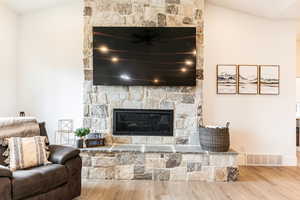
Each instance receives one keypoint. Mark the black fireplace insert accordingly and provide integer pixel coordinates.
(143, 122)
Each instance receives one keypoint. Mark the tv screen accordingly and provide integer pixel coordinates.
(162, 56)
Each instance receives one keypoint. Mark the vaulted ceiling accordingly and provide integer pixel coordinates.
(276, 9)
(273, 9)
(24, 6)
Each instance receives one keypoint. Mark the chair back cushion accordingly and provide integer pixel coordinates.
(19, 127)
(16, 127)
(43, 131)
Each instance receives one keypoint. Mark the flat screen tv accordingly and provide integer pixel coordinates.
(145, 56)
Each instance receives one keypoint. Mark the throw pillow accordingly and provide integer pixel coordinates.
(27, 152)
(3, 152)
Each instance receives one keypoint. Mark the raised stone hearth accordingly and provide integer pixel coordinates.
(158, 163)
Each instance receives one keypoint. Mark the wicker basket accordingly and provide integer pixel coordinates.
(215, 139)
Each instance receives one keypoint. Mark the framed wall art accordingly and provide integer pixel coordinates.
(248, 79)
(227, 79)
(269, 79)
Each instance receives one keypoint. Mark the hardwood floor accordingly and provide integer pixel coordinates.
(255, 183)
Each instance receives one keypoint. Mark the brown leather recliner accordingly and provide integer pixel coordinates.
(60, 180)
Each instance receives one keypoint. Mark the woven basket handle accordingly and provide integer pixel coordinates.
(227, 124)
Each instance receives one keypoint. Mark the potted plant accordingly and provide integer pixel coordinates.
(81, 133)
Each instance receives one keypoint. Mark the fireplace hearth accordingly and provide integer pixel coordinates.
(143, 122)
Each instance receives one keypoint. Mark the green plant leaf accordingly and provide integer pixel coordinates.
(81, 132)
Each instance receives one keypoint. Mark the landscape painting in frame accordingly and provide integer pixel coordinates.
(269, 79)
(248, 79)
(226, 79)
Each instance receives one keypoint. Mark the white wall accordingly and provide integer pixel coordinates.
(298, 58)
(8, 57)
(298, 72)
(50, 75)
(298, 90)
(259, 124)
(298, 30)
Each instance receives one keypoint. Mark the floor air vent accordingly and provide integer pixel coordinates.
(263, 160)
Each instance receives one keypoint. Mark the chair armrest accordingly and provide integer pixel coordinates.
(61, 154)
(5, 172)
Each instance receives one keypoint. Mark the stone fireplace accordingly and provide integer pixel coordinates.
(100, 101)
(148, 156)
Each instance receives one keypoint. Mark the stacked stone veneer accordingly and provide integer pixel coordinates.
(99, 101)
(159, 166)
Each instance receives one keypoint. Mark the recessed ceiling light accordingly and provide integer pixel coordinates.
(183, 69)
(103, 49)
(114, 59)
(188, 62)
(125, 77)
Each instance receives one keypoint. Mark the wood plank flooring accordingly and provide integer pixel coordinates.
(255, 183)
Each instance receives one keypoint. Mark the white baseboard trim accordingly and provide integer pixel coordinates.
(247, 159)
(289, 160)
